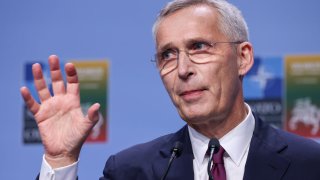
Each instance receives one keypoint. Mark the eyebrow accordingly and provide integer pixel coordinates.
(194, 40)
(166, 46)
(187, 43)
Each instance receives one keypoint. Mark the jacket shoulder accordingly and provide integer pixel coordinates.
(277, 154)
(300, 147)
(136, 162)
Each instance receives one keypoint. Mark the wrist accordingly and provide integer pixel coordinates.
(60, 160)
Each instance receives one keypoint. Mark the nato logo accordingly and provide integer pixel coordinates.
(262, 87)
(264, 80)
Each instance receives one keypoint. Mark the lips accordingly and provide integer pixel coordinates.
(190, 92)
(191, 95)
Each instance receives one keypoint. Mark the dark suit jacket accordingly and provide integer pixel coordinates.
(273, 155)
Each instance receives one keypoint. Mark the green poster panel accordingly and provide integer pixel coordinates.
(93, 79)
(302, 95)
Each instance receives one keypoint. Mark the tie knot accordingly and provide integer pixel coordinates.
(218, 157)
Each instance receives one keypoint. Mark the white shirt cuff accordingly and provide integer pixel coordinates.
(66, 172)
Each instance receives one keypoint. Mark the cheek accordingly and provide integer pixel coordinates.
(230, 84)
(169, 83)
(221, 80)
(214, 77)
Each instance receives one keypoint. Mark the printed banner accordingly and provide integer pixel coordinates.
(302, 100)
(263, 89)
(30, 129)
(93, 78)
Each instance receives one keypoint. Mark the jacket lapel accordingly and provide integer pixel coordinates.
(264, 158)
(182, 166)
(264, 161)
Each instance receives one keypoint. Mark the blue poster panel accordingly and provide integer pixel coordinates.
(263, 89)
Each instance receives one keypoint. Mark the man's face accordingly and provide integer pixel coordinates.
(201, 92)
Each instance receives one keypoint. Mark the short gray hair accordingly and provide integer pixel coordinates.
(231, 21)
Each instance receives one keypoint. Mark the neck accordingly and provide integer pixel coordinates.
(217, 128)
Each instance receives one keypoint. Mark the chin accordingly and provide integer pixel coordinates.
(194, 118)
(200, 117)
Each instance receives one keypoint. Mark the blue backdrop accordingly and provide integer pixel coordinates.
(140, 109)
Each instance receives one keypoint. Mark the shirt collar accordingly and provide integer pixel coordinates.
(199, 144)
(235, 142)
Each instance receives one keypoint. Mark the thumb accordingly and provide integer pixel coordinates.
(93, 113)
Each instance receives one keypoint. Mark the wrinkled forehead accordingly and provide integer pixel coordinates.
(193, 22)
(172, 8)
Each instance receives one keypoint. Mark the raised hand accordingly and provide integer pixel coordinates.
(62, 125)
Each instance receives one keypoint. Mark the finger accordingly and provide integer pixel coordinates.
(93, 113)
(32, 105)
(40, 83)
(56, 75)
(72, 79)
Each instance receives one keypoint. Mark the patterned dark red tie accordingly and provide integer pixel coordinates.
(218, 171)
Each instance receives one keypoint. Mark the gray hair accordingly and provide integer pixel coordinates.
(231, 21)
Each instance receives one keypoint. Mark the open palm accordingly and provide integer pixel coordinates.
(62, 125)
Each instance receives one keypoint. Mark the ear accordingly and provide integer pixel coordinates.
(245, 58)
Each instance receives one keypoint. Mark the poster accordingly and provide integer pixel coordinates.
(93, 78)
(263, 89)
(302, 99)
(30, 130)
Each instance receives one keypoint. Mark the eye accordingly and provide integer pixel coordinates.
(168, 55)
(200, 46)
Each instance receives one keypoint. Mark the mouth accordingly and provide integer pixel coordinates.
(192, 95)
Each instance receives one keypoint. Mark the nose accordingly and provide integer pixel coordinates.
(185, 66)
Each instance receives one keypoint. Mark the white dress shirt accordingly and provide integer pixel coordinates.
(236, 144)
(48, 173)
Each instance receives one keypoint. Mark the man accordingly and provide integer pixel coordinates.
(202, 55)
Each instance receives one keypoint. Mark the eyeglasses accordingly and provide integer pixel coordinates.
(197, 52)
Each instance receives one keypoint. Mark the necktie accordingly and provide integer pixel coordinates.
(218, 171)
